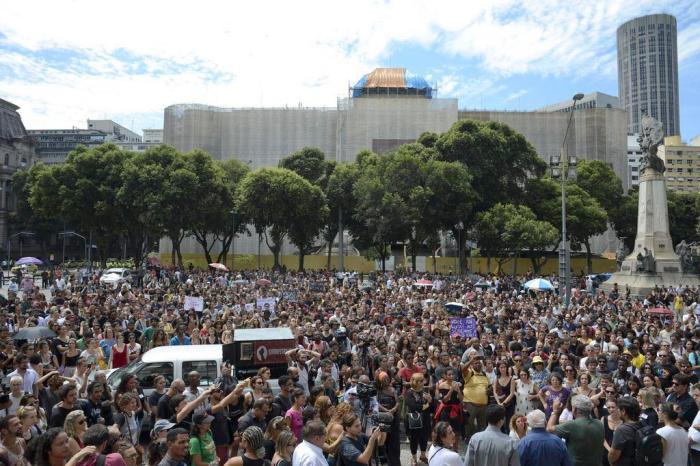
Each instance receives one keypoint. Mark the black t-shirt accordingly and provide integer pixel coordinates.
(164, 411)
(58, 416)
(350, 449)
(624, 439)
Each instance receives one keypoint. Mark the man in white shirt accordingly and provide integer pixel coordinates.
(26, 373)
(310, 451)
(694, 430)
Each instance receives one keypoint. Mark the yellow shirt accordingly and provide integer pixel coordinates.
(638, 361)
(475, 388)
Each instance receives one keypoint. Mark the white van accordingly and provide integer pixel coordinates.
(175, 362)
(172, 362)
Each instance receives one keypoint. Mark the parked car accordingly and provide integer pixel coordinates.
(116, 276)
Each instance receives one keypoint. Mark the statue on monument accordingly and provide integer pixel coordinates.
(622, 253)
(646, 262)
(650, 137)
(684, 252)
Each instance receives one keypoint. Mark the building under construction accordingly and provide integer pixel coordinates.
(384, 109)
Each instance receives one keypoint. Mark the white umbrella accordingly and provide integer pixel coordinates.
(538, 284)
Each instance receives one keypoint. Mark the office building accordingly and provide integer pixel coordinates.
(153, 135)
(115, 130)
(682, 164)
(695, 141)
(634, 159)
(54, 145)
(647, 71)
(591, 100)
(16, 153)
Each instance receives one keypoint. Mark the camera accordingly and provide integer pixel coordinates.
(383, 421)
(365, 391)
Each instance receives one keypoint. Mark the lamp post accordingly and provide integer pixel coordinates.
(9, 247)
(233, 238)
(560, 166)
(72, 233)
(459, 227)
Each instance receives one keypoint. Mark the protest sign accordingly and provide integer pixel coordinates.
(261, 302)
(194, 302)
(463, 326)
(290, 296)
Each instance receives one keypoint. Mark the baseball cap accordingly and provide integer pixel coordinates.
(161, 425)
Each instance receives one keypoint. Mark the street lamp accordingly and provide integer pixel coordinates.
(233, 238)
(459, 227)
(72, 233)
(560, 166)
(9, 246)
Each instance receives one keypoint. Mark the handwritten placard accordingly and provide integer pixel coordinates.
(194, 302)
(463, 326)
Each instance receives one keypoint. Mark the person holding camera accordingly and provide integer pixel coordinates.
(418, 403)
(356, 448)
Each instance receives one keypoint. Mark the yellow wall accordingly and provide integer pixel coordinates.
(444, 265)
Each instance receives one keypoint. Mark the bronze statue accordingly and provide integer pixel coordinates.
(650, 137)
(646, 262)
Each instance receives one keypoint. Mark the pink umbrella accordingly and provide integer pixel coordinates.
(424, 283)
(218, 266)
(263, 282)
(660, 311)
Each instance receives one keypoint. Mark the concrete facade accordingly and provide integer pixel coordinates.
(647, 71)
(682, 165)
(634, 159)
(153, 135)
(591, 100)
(117, 131)
(54, 145)
(16, 153)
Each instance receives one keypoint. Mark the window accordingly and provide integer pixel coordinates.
(206, 369)
(148, 372)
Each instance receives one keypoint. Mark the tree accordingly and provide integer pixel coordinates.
(279, 202)
(233, 171)
(86, 183)
(683, 215)
(24, 217)
(599, 180)
(506, 230)
(499, 160)
(341, 201)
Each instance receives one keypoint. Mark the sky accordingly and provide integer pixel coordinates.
(65, 61)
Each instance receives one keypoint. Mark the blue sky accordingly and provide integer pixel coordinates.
(128, 61)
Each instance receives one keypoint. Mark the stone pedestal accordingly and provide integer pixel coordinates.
(653, 235)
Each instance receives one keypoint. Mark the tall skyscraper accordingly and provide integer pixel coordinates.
(647, 71)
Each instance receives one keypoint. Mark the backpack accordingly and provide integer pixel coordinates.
(647, 446)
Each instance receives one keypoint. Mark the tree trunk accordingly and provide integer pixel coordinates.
(330, 250)
(589, 256)
(301, 260)
(434, 263)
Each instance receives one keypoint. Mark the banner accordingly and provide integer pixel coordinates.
(290, 296)
(317, 287)
(272, 351)
(270, 302)
(463, 326)
(194, 302)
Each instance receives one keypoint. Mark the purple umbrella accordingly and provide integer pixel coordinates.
(28, 261)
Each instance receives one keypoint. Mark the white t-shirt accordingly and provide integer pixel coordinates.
(676, 451)
(694, 434)
(441, 456)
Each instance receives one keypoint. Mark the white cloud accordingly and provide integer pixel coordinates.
(516, 95)
(139, 57)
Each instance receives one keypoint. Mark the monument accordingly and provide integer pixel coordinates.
(653, 261)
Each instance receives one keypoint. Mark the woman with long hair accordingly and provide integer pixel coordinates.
(583, 388)
(610, 422)
(70, 358)
(295, 414)
(418, 426)
(356, 446)
(555, 390)
(335, 431)
(125, 419)
(118, 357)
(28, 417)
(75, 426)
(253, 449)
(504, 390)
(48, 359)
(256, 384)
(324, 408)
(275, 427)
(49, 449)
(42, 420)
(284, 448)
(448, 392)
(202, 448)
(525, 393)
(389, 403)
(159, 339)
(440, 453)
(107, 341)
(518, 427)
(264, 373)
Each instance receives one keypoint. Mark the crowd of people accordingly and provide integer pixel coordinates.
(379, 361)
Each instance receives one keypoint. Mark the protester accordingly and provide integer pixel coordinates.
(583, 435)
(440, 453)
(310, 451)
(675, 438)
(539, 446)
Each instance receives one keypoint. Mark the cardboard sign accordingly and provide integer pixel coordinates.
(463, 326)
(194, 302)
(270, 302)
(317, 287)
(249, 307)
(271, 352)
(290, 296)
